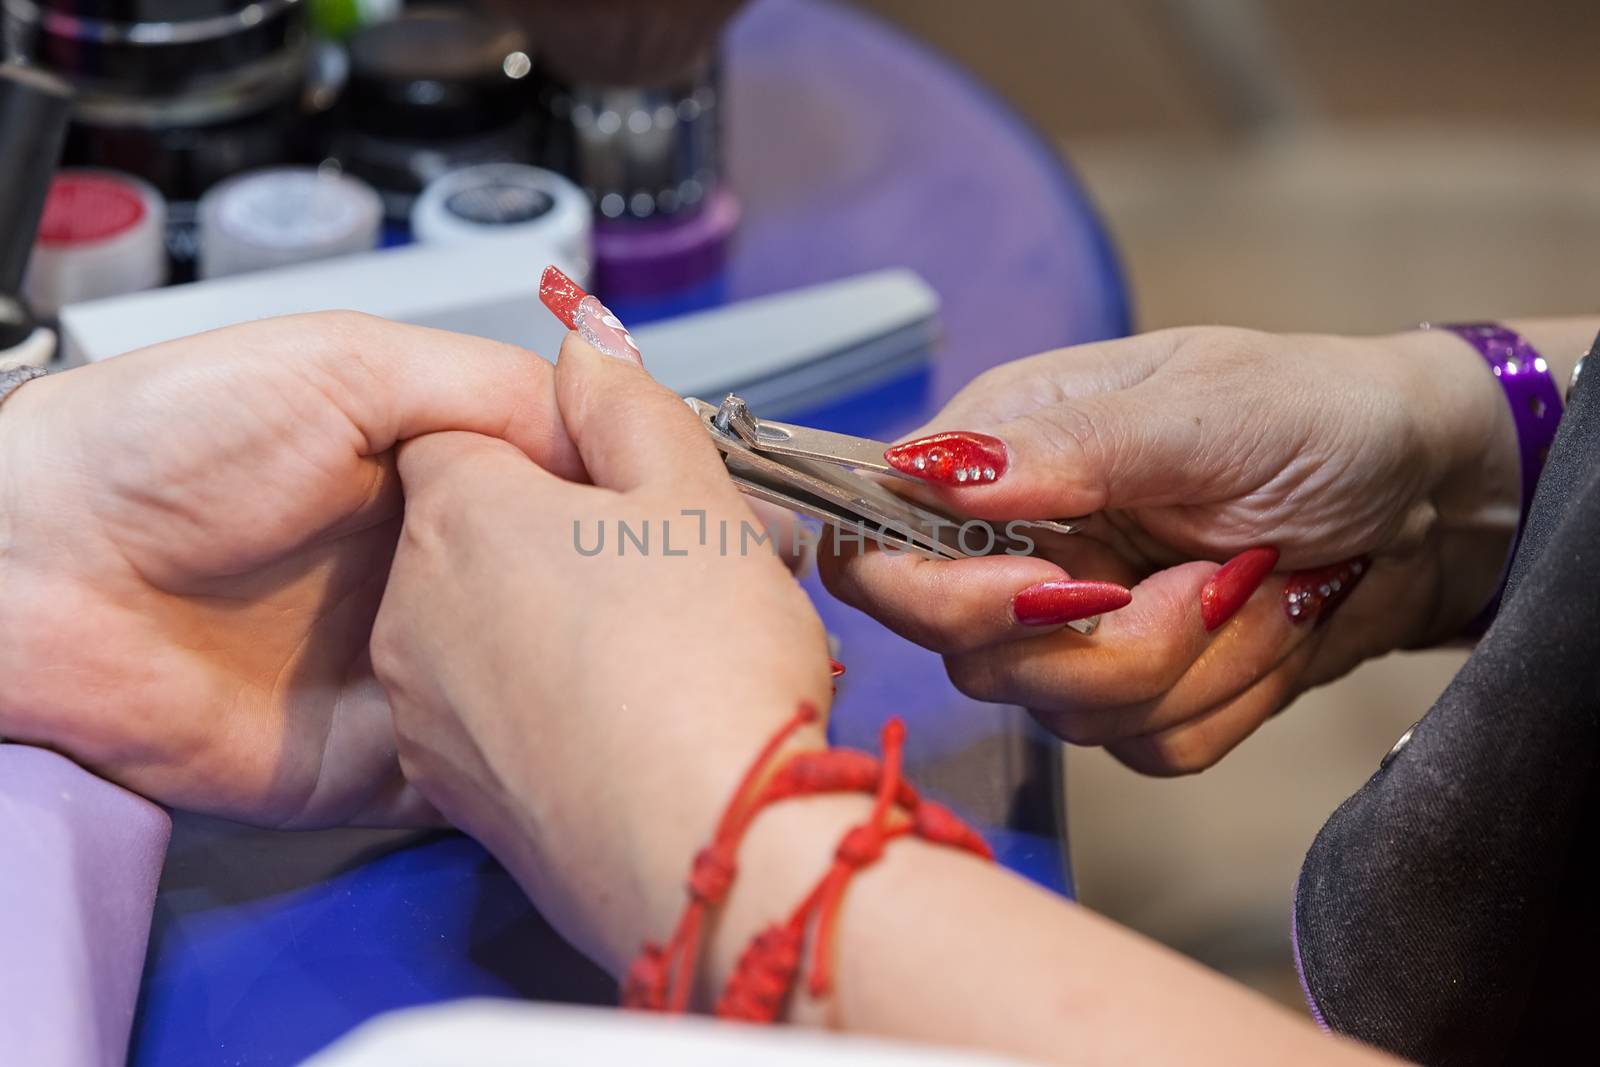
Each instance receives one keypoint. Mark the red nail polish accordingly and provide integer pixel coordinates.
(593, 320)
(957, 458)
(836, 666)
(1066, 600)
(561, 295)
(1315, 593)
(1234, 582)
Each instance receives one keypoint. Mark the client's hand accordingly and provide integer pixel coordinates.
(1394, 456)
(194, 540)
(579, 673)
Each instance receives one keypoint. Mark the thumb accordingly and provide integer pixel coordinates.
(437, 465)
(630, 430)
(1128, 448)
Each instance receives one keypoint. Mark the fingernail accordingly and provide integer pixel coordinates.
(956, 458)
(593, 320)
(561, 295)
(836, 667)
(1314, 594)
(1234, 582)
(1065, 600)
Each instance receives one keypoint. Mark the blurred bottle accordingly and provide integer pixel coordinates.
(431, 91)
(282, 216)
(650, 159)
(100, 236)
(181, 93)
(541, 209)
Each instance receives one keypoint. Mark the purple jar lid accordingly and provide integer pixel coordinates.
(637, 258)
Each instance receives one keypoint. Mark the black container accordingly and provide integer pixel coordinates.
(431, 91)
(182, 93)
(640, 152)
(146, 48)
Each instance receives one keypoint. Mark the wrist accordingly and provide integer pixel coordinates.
(786, 850)
(1473, 491)
(12, 419)
(9, 416)
(606, 852)
(674, 808)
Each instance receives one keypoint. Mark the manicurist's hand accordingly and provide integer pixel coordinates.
(194, 539)
(580, 673)
(1282, 508)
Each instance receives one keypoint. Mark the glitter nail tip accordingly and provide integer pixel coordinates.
(561, 295)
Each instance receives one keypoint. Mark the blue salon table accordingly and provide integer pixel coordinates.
(852, 149)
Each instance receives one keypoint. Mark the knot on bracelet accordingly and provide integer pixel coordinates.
(862, 846)
(645, 985)
(714, 871)
(764, 975)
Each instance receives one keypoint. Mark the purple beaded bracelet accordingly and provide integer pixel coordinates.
(1535, 402)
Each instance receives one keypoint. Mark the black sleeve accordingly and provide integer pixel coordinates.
(1445, 911)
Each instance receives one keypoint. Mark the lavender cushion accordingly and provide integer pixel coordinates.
(79, 863)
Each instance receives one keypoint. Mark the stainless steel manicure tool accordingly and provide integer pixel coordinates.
(834, 478)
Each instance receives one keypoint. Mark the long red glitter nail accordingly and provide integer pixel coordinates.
(593, 320)
(1066, 600)
(561, 295)
(1232, 585)
(954, 458)
(1314, 594)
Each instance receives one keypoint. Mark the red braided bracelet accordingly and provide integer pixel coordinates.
(662, 977)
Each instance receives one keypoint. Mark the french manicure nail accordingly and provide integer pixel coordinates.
(1228, 589)
(604, 331)
(1314, 594)
(1066, 600)
(955, 458)
(593, 320)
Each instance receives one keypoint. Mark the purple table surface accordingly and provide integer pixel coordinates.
(77, 883)
(852, 149)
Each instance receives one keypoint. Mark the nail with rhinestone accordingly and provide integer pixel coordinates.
(1312, 595)
(953, 458)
